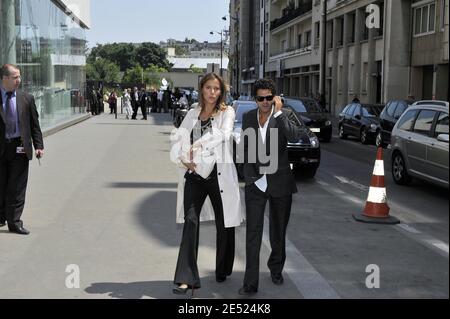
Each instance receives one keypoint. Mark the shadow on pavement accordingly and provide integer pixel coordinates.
(210, 289)
(156, 215)
(144, 185)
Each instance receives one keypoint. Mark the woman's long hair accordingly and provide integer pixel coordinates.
(220, 105)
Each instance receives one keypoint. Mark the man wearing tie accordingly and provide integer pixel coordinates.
(19, 128)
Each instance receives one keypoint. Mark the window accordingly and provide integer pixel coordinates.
(442, 16)
(351, 78)
(317, 30)
(364, 76)
(406, 122)
(341, 78)
(299, 41)
(424, 122)
(442, 125)
(344, 111)
(351, 110)
(391, 109)
(425, 19)
(401, 108)
(308, 38)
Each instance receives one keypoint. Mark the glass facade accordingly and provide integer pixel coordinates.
(49, 48)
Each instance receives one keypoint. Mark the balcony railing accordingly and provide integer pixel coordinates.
(290, 14)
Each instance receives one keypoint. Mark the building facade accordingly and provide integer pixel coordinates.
(47, 40)
(379, 50)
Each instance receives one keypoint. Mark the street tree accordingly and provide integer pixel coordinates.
(103, 70)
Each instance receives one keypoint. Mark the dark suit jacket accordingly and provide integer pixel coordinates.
(28, 122)
(282, 182)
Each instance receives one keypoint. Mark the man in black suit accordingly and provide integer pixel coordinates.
(143, 103)
(273, 181)
(19, 128)
(135, 103)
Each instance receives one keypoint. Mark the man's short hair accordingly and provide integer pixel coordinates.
(264, 84)
(5, 70)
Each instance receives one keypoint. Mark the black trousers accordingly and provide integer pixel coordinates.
(195, 192)
(144, 110)
(279, 214)
(13, 184)
(135, 107)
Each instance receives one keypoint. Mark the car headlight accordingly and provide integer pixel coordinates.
(373, 127)
(314, 142)
(328, 123)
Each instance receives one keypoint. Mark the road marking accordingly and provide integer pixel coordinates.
(306, 278)
(442, 246)
(410, 229)
(345, 180)
(432, 243)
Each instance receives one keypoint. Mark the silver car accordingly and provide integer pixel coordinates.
(420, 144)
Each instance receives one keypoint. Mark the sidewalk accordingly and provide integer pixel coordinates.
(104, 199)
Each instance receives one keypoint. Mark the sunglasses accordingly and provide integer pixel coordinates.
(269, 98)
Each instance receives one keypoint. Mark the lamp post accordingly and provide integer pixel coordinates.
(236, 61)
(221, 49)
(323, 71)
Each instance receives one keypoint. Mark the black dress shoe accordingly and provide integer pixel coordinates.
(277, 279)
(19, 230)
(183, 291)
(221, 279)
(247, 291)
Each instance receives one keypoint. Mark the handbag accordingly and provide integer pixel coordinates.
(204, 161)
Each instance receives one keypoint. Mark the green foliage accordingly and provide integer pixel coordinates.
(194, 69)
(128, 55)
(103, 70)
(149, 76)
(180, 51)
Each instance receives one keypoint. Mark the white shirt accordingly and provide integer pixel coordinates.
(262, 183)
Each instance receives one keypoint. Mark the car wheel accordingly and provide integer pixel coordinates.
(399, 170)
(310, 172)
(363, 136)
(342, 134)
(327, 139)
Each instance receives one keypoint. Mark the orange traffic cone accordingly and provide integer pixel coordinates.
(377, 209)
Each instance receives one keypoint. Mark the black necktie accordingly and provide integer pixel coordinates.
(10, 116)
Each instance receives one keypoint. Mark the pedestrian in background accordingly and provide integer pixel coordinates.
(208, 188)
(127, 103)
(143, 99)
(19, 130)
(262, 186)
(135, 102)
(112, 101)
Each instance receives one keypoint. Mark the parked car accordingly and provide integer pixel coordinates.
(388, 117)
(420, 144)
(305, 155)
(313, 115)
(361, 121)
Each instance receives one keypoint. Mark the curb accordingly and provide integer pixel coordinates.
(61, 126)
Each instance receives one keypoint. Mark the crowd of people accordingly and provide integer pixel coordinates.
(133, 100)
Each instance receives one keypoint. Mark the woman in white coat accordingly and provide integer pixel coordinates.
(127, 103)
(208, 188)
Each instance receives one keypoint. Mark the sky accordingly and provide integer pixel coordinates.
(154, 21)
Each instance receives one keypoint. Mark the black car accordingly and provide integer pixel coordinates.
(304, 155)
(360, 120)
(388, 118)
(313, 115)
